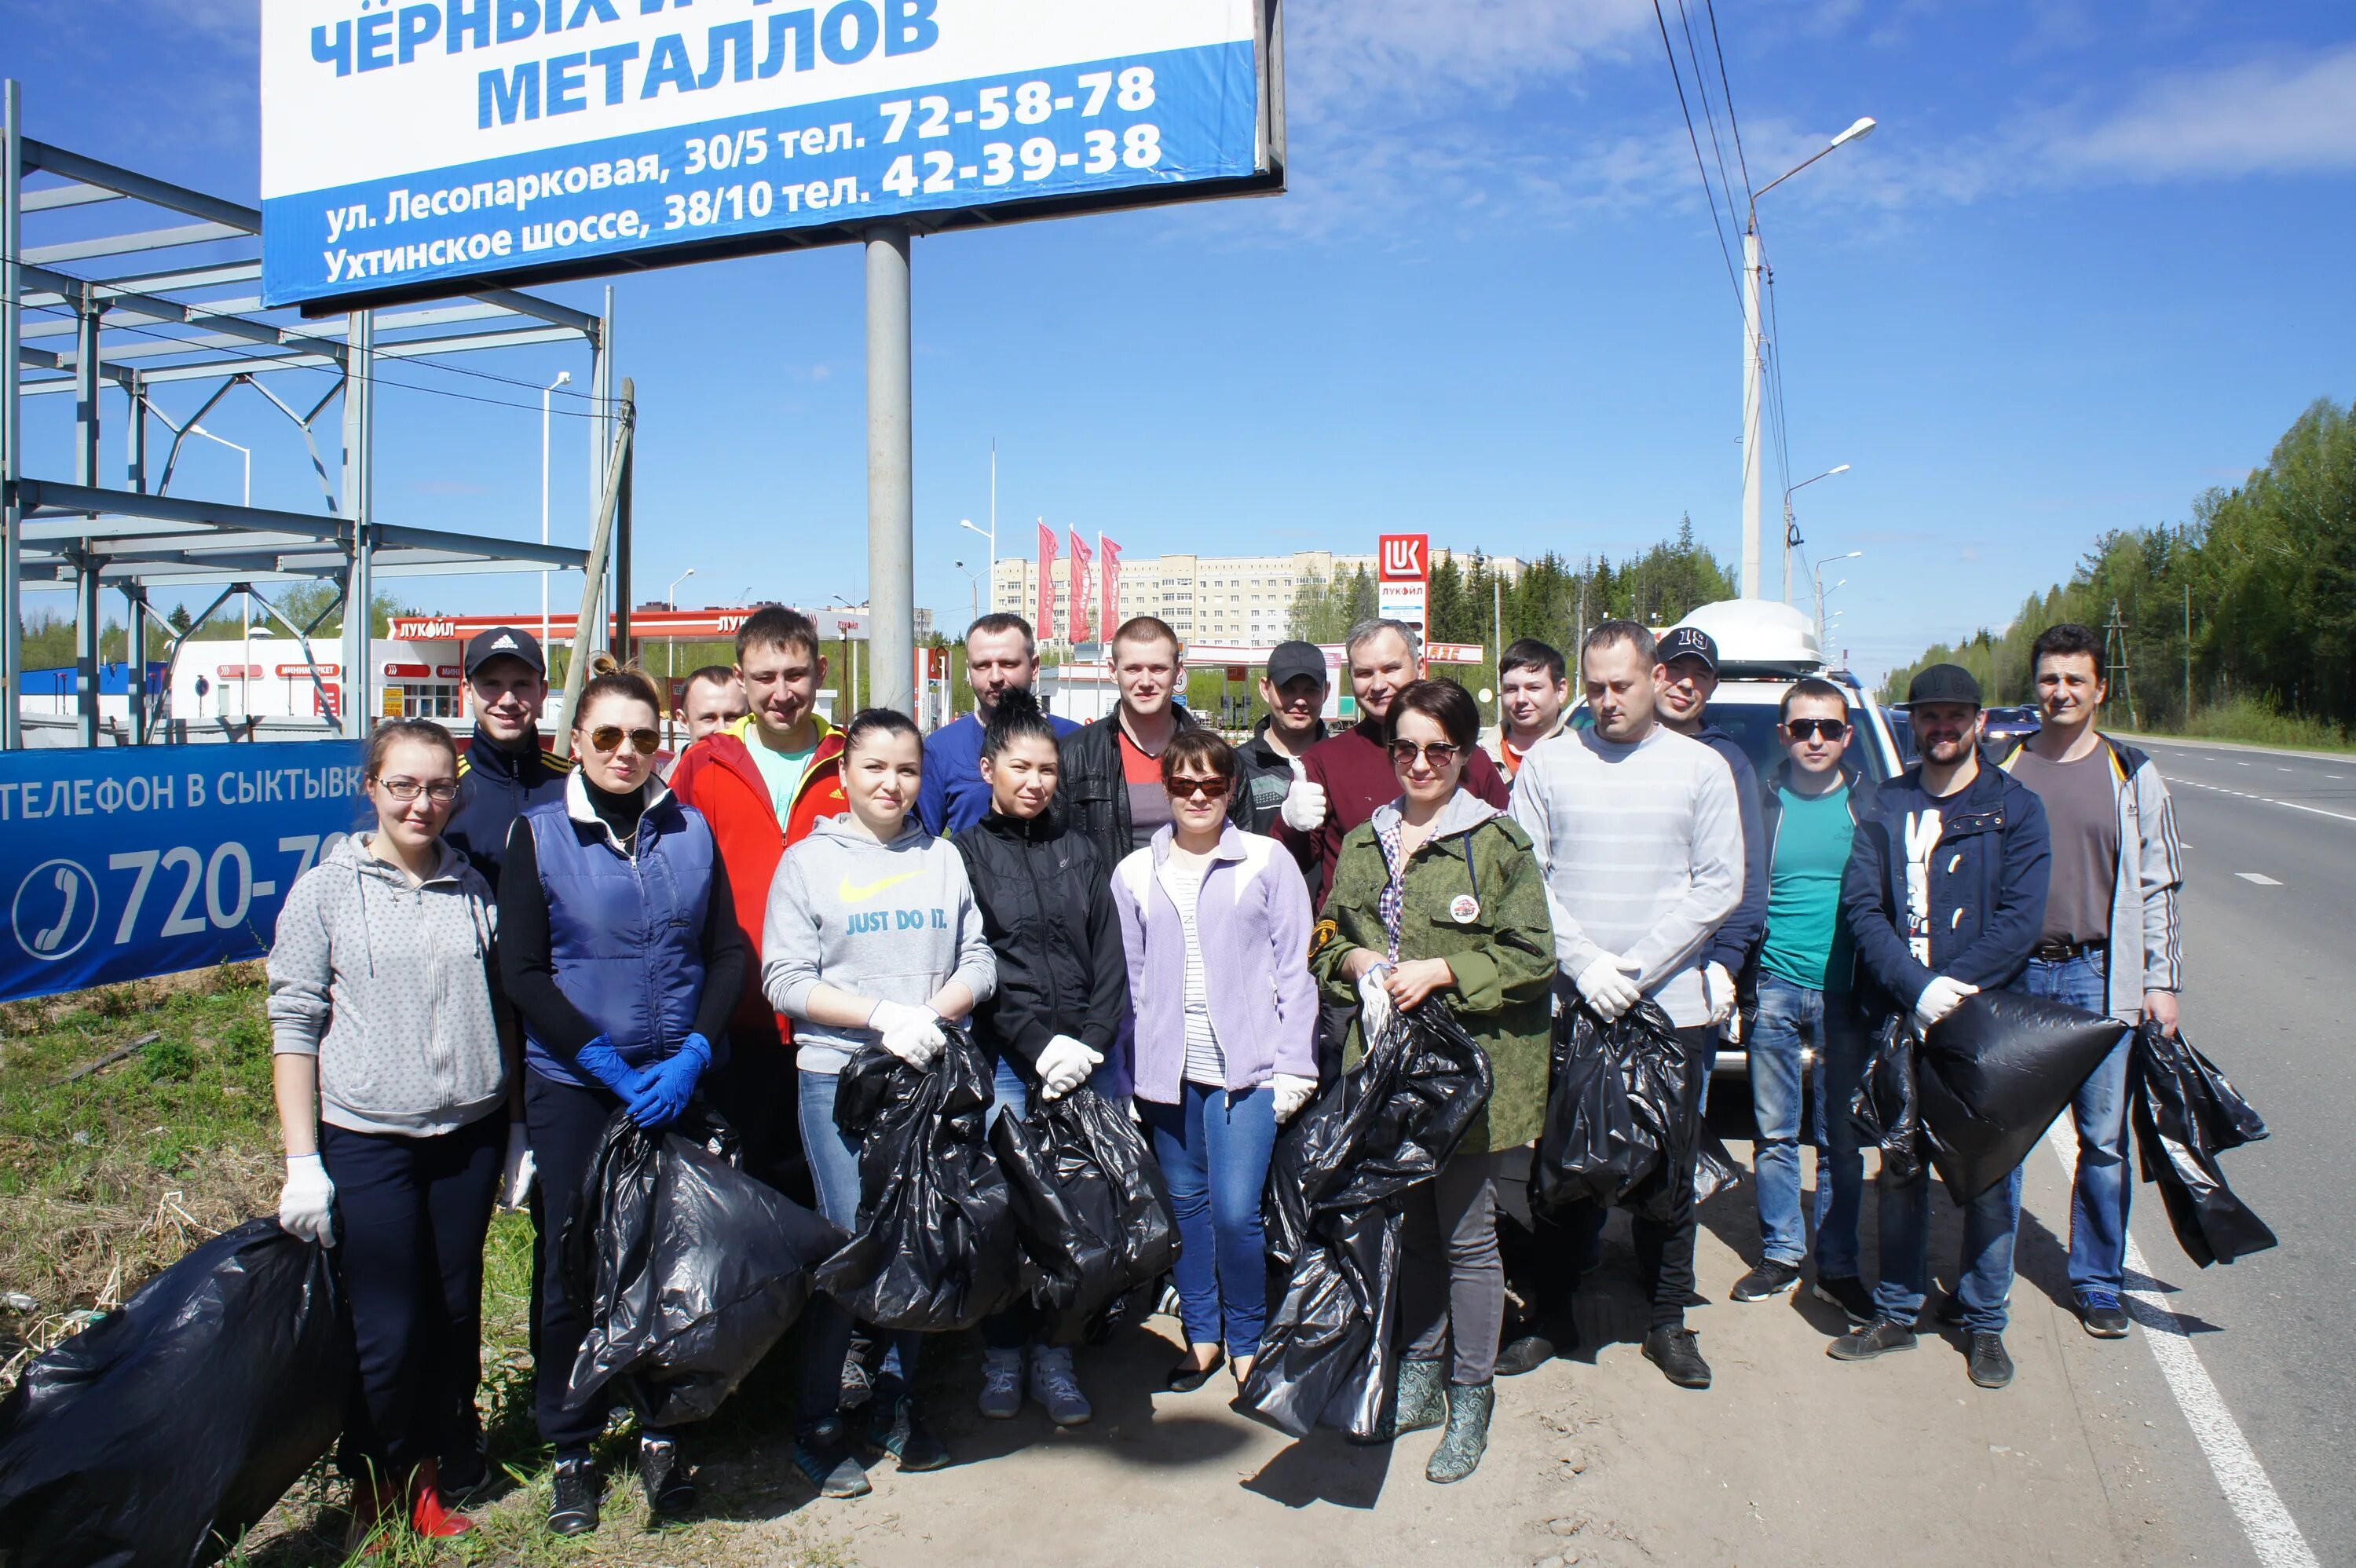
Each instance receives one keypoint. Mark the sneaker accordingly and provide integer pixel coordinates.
(572, 1495)
(823, 1452)
(1678, 1353)
(1846, 1292)
(663, 1470)
(857, 1385)
(1991, 1367)
(464, 1477)
(1770, 1279)
(2105, 1318)
(1863, 1344)
(1001, 1384)
(1054, 1385)
(894, 1428)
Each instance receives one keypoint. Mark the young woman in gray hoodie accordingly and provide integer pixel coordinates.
(391, 1077)
(872, 937)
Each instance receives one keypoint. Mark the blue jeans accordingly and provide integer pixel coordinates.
(834, 1167)
(2099, 1200)
(1989, 1222)
(1792, 1017)
(1214, 1147)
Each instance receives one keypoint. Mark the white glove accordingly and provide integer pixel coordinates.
(1938, 999)
(911, 1033)
(1718, 990)
(1373, 1004)
(1608, 985)
(519, 1169)
(1291, 1093)
(1065, 1064)
(1304, 803)
(306, 1203)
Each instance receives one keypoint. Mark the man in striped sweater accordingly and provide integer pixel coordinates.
(1639, 833)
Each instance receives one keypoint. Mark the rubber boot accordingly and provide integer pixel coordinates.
(427, 1517)
(375, 1514)
(1421, 1402)
(1467, 1438)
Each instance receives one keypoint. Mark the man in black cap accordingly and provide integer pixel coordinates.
(504, 769)
(1689, 676)
(1944, 895)
(1294, 689)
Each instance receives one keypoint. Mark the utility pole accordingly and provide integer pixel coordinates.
(2114, 660)
(2188, 654)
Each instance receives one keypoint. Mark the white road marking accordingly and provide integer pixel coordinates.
(2295, 806)
(2272, 1534)
(2258, 877)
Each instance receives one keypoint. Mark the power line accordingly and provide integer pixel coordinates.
(1726, 91)
(1708, 190)
(1709, 114)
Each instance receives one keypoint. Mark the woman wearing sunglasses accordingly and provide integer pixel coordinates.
(619, 947)
(390, 1077)
(1215, 923)
(1438, 895)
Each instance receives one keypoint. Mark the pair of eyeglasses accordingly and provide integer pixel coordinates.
(1439, 753)
(1830, 729)
(1190, 789)
(441, 792)
(609, 738)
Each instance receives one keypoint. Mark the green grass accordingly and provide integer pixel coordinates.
(2258, 722)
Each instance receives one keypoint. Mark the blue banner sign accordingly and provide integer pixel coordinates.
(409, 143)
(125, 862)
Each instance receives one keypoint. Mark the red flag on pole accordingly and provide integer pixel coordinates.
(1108, 584)
(1080, 606)
(1045, 618)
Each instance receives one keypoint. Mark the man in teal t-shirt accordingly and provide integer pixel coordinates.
(1809, 812)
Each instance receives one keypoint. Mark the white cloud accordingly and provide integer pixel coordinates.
(2262, 117)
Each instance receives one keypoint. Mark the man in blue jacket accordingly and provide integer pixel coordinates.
(1944, 895)
(1000, 655)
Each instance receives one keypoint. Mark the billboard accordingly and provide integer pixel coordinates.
(1403, 578)
(416, 147)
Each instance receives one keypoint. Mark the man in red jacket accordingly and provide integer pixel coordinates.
(764, 783)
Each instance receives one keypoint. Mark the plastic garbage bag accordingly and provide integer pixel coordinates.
(160, 1434)
(1089, 1203)
(1621, 1100)
(1332, 1209)
(1992, 1076)
(936, 1249)
(2185, 1111)
(693, 1268)
(1887, 1109)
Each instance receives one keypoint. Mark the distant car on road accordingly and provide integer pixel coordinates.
(2001, 727)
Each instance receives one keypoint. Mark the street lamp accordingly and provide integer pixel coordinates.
(1791, 530)
(562, 377)
(1754, 359)
(977, 587)
(245, 451)
(1822, 589)
(671, 642)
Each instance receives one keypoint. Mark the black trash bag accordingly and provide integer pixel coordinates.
(1887, 1110)
(1994, 1074)
(1090, 1205)
(160, 1434)
(1613, 1112)
(1332, 1208)
(936, 1249)
(2185, 1111)
(691, 1268)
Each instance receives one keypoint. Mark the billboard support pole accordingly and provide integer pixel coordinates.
(890, 511)
(12, 454)
(359, 505)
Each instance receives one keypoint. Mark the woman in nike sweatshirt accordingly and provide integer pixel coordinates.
(872, 938)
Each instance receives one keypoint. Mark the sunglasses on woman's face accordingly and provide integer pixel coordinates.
(1830, 729)
(609, 738)
(1187, 789)
(441, 792)
(1439, 753)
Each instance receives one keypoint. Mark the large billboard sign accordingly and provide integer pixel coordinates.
(416, 147)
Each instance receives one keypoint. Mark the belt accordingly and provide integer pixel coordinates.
(2062, 952)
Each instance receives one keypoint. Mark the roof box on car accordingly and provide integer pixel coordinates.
(1759, 638)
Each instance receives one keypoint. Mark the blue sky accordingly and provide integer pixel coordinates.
(2092, 262)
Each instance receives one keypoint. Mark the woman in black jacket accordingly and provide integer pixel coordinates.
(1063, 991)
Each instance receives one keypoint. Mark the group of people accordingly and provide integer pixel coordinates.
(523, 944)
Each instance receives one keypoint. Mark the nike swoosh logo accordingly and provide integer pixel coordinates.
(860, 893)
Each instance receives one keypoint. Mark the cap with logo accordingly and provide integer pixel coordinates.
(1944, 683)
(504, 642)
(1679, 641)
(1297, 658)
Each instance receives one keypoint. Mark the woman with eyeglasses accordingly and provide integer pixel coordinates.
(1215, 923)
(1438, 895)
(619, 948)
(390, 1076)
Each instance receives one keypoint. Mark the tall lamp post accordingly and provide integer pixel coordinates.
(562, 377)
(1792, 529)
(1822, 631)
(670, 644)
(244, 452)
(977, 587)
(1754, 348)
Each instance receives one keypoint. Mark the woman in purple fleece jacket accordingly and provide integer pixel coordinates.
(1216, 1067)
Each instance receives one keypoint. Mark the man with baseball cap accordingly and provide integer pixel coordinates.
(1689, 676)
(505, 769)
(1944, 895)
(1294, 689)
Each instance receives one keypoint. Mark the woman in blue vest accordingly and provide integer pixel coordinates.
(619, 945)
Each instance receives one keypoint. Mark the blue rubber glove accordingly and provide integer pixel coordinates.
(602, 1062)
(671, 1084)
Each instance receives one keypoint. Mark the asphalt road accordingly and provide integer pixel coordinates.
(2270, 928)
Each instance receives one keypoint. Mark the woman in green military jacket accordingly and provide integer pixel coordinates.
(1438, 895)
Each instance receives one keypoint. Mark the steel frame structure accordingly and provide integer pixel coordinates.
(137, 536)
